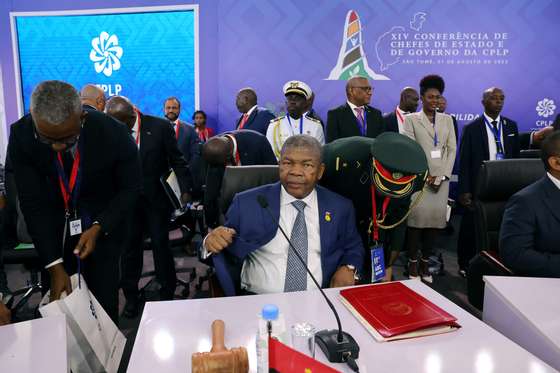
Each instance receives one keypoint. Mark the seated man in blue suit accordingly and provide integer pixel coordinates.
(252, 255)
(529, 236)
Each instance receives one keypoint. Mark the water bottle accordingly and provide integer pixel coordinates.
(270, 317)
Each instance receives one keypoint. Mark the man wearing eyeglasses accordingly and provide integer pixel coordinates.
(356, 117)
(77, 175)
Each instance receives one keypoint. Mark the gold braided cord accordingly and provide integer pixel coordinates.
(277, 135)
(392, 180)
(405, 190)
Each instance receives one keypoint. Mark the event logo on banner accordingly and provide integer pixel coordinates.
(410, 45)
(352, 60)
(545, 108)
(106, 54)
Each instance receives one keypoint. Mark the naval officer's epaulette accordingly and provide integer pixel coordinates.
(314, 120)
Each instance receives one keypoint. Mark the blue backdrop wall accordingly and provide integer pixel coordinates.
(473, 44)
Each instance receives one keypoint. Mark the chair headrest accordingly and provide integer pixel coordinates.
(499, 180)
(530, 153)
(240, 178)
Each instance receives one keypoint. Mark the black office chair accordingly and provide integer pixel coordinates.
(238, 179)
(497, 182)
(530, 153)
(21, 252)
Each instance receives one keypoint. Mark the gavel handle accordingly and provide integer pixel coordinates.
(218, 328)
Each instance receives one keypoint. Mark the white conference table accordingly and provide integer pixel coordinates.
(527, 311)
(170, 332)
(34, 346)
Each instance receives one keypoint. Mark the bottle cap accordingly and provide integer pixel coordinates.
(270, 312)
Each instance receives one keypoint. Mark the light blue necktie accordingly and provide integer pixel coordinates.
(296, 275)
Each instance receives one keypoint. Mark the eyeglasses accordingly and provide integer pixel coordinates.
(68, 141)
(364, 88)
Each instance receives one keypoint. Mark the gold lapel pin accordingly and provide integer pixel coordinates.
(327, 216)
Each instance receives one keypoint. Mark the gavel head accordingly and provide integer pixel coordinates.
(220, 359)
(235, 360)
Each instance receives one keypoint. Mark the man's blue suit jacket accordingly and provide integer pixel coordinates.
(258, 120)
(340, 241)
(188, 142)
(530, 232)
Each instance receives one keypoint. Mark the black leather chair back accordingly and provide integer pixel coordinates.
(497, 182)
(240, 178)
(530, 153)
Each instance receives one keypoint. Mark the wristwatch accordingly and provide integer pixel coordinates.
(353, 269)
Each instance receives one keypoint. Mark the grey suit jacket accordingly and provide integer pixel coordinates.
(418, 127)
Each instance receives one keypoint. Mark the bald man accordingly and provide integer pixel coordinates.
(93, 97)
(235, 148)
(356, 117)
(252, 116)
(489, 137)
(158, 151)
(407, 104)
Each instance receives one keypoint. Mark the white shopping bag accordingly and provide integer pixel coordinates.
(95, 344)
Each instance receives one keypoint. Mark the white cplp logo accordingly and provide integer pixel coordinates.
(106, 53)
(545, 107)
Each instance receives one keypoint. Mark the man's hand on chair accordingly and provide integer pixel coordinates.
(60, 281)
(219, 239)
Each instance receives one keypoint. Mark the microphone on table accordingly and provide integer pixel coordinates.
(337, 345)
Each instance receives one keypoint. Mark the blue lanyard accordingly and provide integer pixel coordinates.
(435, 132)
(300, 125)
(497, 135)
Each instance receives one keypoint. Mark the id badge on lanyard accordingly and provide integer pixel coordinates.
(70, 189)
(377, 253)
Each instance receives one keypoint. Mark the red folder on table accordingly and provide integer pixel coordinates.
(393, 311)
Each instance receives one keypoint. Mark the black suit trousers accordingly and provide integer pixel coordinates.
(466, 242)
(151, 222)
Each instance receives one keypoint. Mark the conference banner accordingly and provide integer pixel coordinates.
(473, 45)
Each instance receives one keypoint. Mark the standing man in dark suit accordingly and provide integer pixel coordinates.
(158, 151)
(252, 116)
(356, 117)
(321, 223)
(529, 239)
(78, 177)
(93, 97)
(187, 138)
(489, 137)
(407, 104)
(235, 148)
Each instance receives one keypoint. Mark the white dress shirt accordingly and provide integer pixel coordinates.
(264, 270)
(354, 107)
(134, 132)
(400, 122)
(554, 180)
(491, 139)
(251, 111)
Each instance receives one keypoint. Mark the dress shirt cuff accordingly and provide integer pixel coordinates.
(58, 261)
(531, 138)
(204, 253)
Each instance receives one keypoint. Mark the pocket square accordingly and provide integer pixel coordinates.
(512, 134)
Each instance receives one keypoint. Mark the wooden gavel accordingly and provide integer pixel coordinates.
(220, 359)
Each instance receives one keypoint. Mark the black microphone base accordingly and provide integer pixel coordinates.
(335, 351)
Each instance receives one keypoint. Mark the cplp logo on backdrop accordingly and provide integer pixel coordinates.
(408, 44)
(106, 53)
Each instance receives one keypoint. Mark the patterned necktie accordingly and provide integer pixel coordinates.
(243, 121)
(361, 121)
(296, 275)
